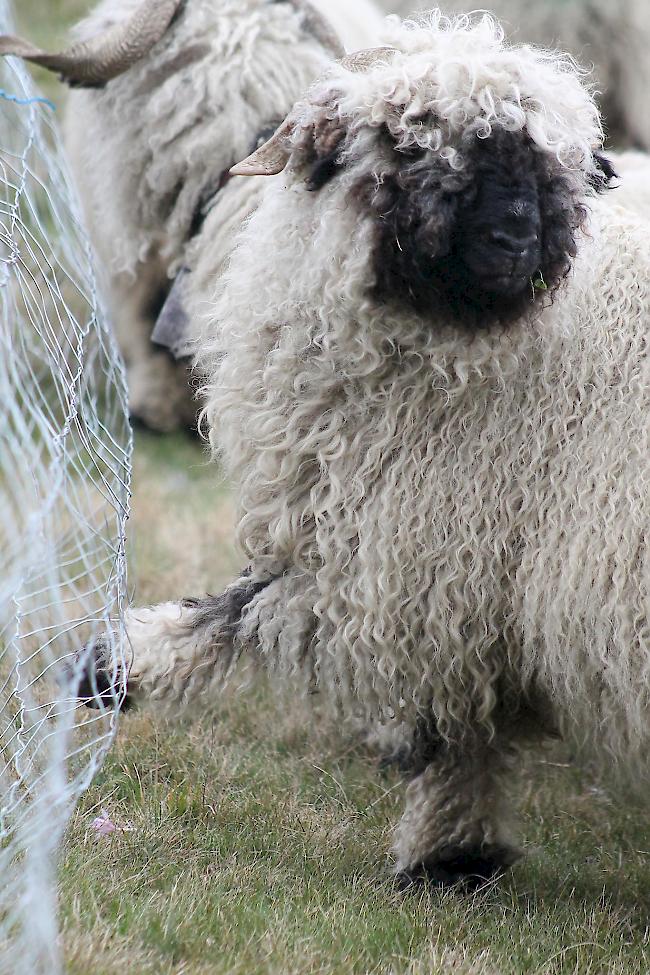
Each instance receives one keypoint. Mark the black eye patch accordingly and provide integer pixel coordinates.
(323, 169)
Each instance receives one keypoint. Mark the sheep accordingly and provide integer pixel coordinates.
(612, 37)
(633, 191)
(151, 151)
(435, 407)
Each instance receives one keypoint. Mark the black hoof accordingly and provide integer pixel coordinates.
(100, 684)
(138, 423)
(469, 869)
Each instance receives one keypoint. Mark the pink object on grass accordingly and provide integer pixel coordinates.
(104, 825)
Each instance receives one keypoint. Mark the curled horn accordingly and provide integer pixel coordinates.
(90, 64)
(271, 158)
(320, 27)
(360, 61)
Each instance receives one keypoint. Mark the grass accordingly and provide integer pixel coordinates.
(258, 846)
(47, 23)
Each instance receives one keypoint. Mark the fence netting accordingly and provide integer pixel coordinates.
(65, 456)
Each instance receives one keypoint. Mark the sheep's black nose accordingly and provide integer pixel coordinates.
(514, 243)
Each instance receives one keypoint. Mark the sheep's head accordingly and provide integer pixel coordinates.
(94, 62)
(475, 161)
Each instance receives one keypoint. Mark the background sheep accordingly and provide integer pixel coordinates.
(614, 37)
(435, 408)
(150, 162)
(152, 148)
(633, 191)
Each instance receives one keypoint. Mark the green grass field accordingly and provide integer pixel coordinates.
(259, 847)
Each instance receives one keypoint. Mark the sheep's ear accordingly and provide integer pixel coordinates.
(604, 173)
(172, 325)
(270, 158)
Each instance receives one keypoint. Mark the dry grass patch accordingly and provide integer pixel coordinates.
(182, 525)
(260, 845)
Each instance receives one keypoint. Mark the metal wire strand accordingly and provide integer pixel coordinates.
(65, 470)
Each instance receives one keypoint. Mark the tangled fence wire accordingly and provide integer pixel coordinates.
(65, 464)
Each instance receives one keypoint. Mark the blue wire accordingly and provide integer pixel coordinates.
(27, 101)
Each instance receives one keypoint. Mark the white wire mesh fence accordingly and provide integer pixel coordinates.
(65, 453)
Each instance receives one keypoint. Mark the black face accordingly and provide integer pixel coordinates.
(480, 246)
(497, 240)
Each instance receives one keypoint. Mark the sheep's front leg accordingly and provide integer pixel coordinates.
(160, 393)
(178, 650)
(457, 826)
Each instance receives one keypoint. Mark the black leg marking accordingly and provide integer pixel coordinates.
(416, 752)
(100, 682)
(228, 608)
(468, 869)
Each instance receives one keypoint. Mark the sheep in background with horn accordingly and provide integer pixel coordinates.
(168, 95)
(611, 35)
(435, 406)
(633, 191)
(93, 62)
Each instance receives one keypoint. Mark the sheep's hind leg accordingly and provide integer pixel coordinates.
(457, 826)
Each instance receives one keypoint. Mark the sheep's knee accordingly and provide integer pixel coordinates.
(169, 652)
(457, 826)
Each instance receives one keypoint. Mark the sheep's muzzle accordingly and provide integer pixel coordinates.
(472, 241)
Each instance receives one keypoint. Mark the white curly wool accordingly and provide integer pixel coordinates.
(633, 190)
(612, 36)
(455, 522)
(451, 496)
(151, 149)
